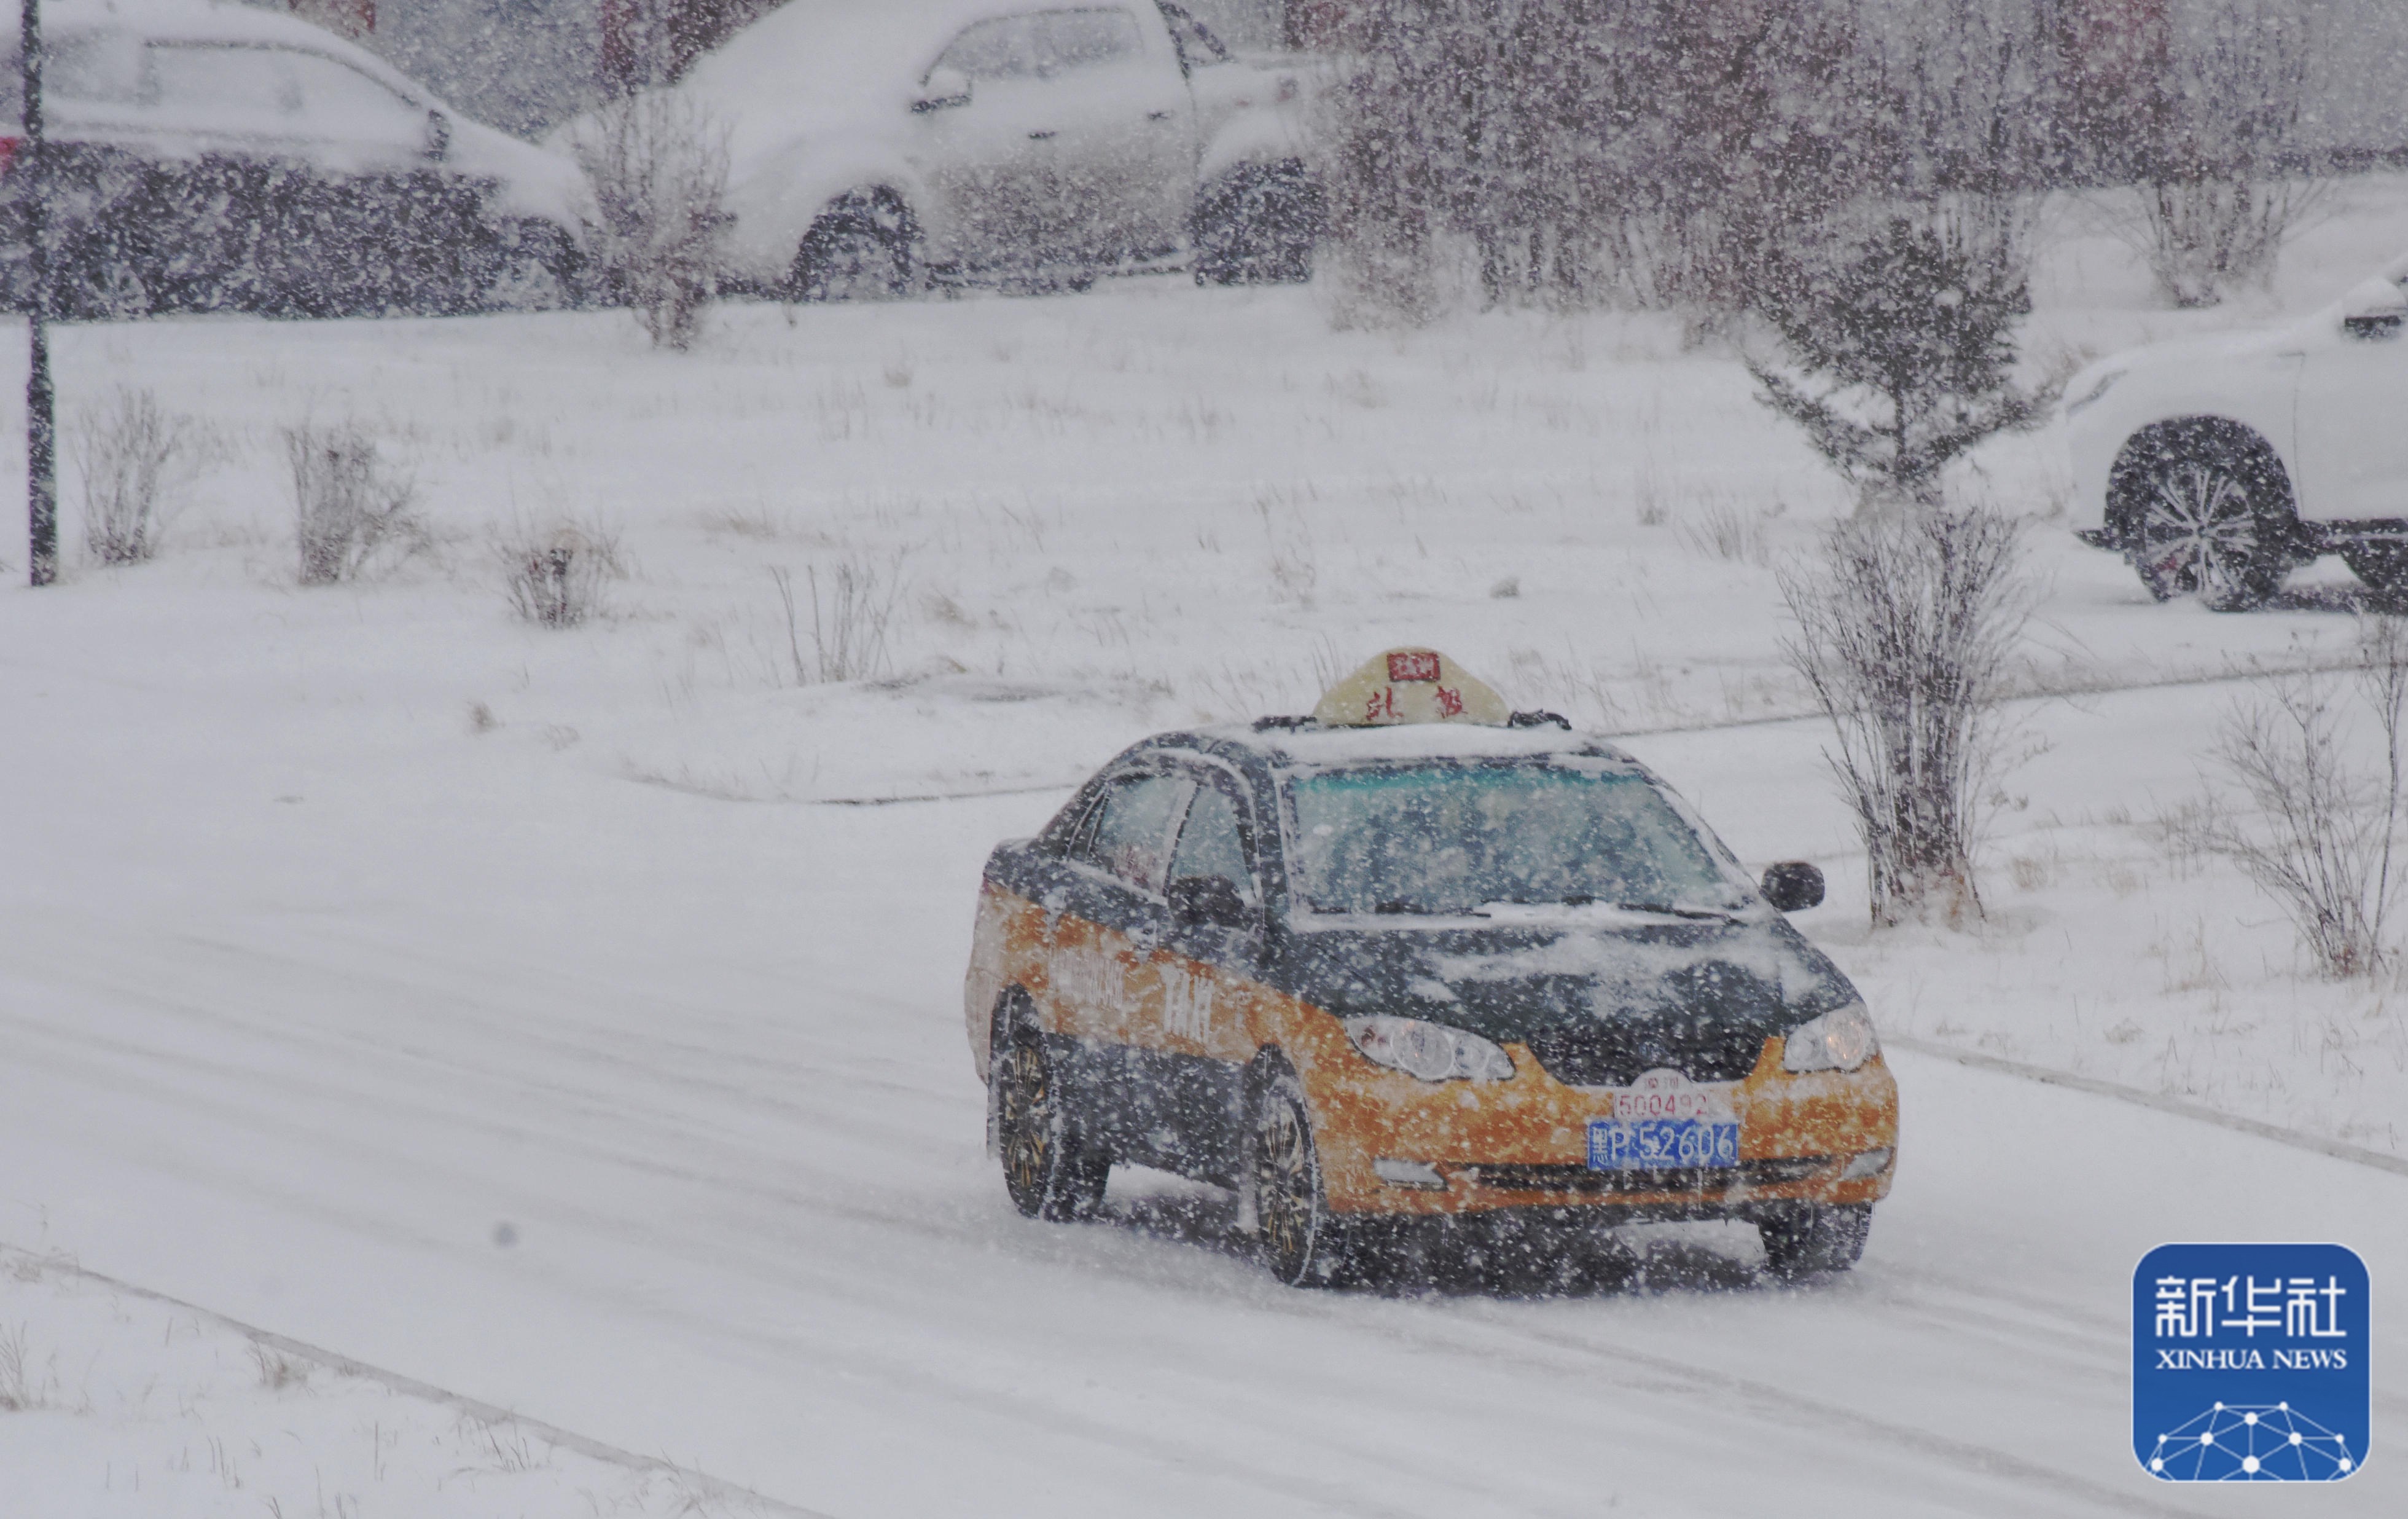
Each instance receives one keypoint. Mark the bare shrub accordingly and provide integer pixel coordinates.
(849, 618)
(277, 1370)
(2215, 205)
(1724, 531)
(23, 1386)
(556, 575)
(132, 455)
(2311, 829)
(1906, 624)
(658, 166)
(352, 508)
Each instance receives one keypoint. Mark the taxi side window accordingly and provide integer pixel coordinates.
(1212, 841)
(1129, 833)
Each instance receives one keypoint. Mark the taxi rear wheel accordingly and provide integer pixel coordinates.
(1303, 1243)
(1051, 1171)
(1815, 1239)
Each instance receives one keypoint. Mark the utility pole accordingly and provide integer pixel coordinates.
(41, 439)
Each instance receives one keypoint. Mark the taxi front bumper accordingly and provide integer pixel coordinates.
(1389, 1143)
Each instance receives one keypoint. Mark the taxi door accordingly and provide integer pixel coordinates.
(1198, 1051)
(1102, 979)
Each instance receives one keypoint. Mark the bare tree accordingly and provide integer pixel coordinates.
(131, 453)
(658, 166)
(1906, 624)
(2314, 831)
(2217, 197)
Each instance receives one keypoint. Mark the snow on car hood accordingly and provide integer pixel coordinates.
(1754, 973)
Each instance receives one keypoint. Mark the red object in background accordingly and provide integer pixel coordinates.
(656, 42)
(8, 147)
(344, 18)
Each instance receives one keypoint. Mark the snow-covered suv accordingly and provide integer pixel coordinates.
(209, 156)
(2218, 465)
(871, 143)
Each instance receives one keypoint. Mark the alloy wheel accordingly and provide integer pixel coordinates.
(2201, 532)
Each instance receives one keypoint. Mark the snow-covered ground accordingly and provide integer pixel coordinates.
(342, 928)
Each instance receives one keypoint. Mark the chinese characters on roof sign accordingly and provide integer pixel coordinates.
(2249, 1362)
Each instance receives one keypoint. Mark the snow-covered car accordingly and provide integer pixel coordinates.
(205, 156)
(1419, 955)
(2218, 465)
(869, 143)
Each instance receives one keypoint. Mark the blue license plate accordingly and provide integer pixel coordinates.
(1660, 1144)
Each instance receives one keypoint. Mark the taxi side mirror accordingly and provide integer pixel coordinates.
(1207, 901)
(1793, 886)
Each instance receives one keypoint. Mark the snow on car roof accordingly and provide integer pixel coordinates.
(207, 20)
(813, 58)
(1334, 747)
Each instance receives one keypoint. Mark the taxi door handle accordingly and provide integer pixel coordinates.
(1158, 116)
(1041, 136)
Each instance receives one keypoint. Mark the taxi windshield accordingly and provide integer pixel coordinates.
(1452, 839)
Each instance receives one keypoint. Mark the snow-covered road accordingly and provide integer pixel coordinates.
(296, 1039)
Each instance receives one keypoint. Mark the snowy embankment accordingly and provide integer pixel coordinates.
(118, 1404)
(341, 928)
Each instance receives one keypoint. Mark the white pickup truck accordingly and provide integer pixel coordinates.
(871, 146)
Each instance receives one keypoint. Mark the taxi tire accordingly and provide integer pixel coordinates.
(1050, 1169)
(1815, 1239)
(1302, 1242)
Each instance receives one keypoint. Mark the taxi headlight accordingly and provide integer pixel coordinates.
(1431, 1051)
(1840, 1040)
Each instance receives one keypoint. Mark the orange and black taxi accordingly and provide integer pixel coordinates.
(1417, 954)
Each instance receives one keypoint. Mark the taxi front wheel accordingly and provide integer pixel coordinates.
(1303, 1243)
(1815, 1239)
(1050, 1169)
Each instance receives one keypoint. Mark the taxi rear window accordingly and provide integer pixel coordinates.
(1448, 839)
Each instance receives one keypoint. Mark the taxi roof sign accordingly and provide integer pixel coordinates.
(1410, 686)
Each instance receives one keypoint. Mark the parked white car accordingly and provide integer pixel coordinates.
(871, 144)
(2219, 465)
(207, 156)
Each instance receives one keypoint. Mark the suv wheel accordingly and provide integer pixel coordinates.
(2209, 515)
(1257, 227)
(862, 247)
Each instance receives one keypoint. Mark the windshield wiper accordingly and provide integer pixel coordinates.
(1675, 910)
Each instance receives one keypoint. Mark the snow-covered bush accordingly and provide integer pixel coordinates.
(351, 506)
(658, 165)
(132, 455)
(1906, 626)
(554, 575)
(2312, 827)
(1900, 344)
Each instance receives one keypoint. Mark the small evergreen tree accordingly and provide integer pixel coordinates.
(1901, 349)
